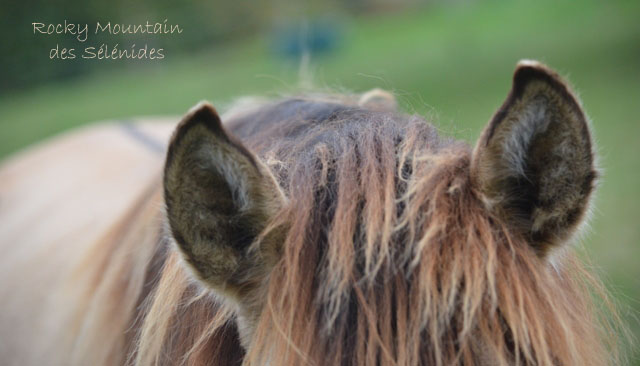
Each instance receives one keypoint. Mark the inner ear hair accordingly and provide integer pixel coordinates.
(219, 197)
(534, 165)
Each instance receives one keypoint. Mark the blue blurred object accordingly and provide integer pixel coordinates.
(317, 37)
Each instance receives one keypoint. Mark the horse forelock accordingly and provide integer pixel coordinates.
(391, 258)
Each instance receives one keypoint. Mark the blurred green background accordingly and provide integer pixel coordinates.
(449, 61)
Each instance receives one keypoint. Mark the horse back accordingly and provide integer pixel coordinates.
(57, 200)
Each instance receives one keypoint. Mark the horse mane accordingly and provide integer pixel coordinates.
(389, 259)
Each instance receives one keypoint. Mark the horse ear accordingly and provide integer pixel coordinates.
(219, 198)
(533, 164)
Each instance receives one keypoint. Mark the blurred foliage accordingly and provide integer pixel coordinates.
(451, 62)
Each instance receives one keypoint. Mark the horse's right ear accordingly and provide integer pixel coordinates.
(534, 165)
(219, 198)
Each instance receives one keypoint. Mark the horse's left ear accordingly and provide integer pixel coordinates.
(219, 198)
(534, 165)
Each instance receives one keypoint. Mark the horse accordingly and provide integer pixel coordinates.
(315, 229)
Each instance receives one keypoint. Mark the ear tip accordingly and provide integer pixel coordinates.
(203, 104)
(526, 64)
(529, 70)
(530, 63)
(203, 111)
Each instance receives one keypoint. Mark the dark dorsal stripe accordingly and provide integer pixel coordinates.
(149, 142)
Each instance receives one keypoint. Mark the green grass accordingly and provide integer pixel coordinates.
(451, 63)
